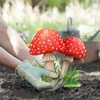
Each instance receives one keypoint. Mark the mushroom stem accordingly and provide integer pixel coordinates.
(49, 65)
(66, 62)
(65, 67)
(49, 60)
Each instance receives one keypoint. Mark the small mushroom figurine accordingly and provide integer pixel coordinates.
(75, 48)
(47, 41)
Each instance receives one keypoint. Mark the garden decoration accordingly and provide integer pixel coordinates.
(75, 48)
(47, 41)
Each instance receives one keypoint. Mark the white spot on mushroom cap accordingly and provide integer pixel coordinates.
(39, 42)
(61, 41)
(71, 44)
(41, 45)
(52, 47)
(38, 48)
(77, 52)
(79, 55)
(79, 43)
(83, 46)
(45, 46)
(38, 52)
(35, 38)
(33, 46)
(43, 42)
(73, 51)
(70, 50)
(84, 54)
(57, 35)
(54, 39)
(66, 50)
(73, 39)
(59, 46)
(81, 51)
(56, 48)
(50, 43)
(43, 51)
(76, 49)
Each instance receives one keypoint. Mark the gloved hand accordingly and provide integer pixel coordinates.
(58, 83)
(33, 75)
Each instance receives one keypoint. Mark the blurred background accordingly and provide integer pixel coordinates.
(26, 16)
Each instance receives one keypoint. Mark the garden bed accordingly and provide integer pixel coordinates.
(13, 87)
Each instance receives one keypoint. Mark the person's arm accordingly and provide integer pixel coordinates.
(12, 42)
(8, 60)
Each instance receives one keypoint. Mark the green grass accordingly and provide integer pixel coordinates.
(71, 78)
(46, 79)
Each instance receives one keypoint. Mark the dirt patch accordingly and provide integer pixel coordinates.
(13, 87)
(90, 67)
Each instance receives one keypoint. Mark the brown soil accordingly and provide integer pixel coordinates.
(13, 87)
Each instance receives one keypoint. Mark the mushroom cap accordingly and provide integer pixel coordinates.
(74, 47)
(46, 40)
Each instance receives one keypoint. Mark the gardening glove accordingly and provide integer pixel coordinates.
(33, 75)
(57, 83)
(36, 60)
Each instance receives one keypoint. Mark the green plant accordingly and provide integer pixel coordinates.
(72, 78)
(46, 79)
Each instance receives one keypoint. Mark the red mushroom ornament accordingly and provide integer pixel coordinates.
(75, 48)
(47, 41)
